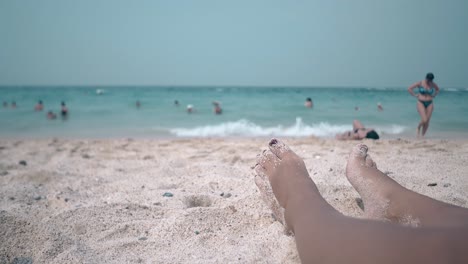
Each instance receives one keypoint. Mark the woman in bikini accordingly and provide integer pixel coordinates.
(427, 90)
(359, 132)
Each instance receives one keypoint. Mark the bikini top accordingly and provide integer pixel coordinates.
(423, 90)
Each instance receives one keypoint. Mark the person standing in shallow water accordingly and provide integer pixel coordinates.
(64, 110)
(427, 91)
(217, 108)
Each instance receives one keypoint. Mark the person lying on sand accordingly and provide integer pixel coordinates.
(438, 231)
(358, 132)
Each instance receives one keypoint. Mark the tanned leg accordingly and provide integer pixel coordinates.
(429, 111)
(323, 235)
(385, 199)
(357, 125)
(422, 113)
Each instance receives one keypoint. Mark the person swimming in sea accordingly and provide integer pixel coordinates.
(39, 106)
(5, 104)
(138, 104)
(359, 132)
(308, 103)
(13, 104)
(51, 115)
(427, 91)
(379, 107)
(190, 109)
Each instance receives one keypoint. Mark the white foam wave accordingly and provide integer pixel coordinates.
(392, 129)
(245, 128)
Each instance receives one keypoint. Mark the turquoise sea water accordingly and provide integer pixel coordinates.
(247, 112)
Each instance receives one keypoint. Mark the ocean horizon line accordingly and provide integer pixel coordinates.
(139, 86)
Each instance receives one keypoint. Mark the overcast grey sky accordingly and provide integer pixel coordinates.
(377, 43)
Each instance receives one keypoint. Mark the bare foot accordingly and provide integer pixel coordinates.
(385, 199)
(281, 176)
(266, 192)
(377, 190)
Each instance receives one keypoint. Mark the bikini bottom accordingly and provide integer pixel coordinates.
(426, 103)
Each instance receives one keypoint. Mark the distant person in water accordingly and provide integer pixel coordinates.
(13, 104)
(427, 91)
(359, 132)
(39, 106)
(379, 107)
(138, 104)
(176, 103)
(190, 109)
(356, 108)
(5, 104)
(308, 103)
(64, 110)
(217, 108)
(51, 115)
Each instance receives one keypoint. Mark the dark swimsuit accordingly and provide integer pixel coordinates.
(423, 91)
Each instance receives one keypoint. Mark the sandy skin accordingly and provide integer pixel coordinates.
(320, 230)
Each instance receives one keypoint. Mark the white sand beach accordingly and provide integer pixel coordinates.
(102, 201)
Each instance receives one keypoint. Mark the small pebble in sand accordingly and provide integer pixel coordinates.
(432, 184)
(86, 156)
(222, 194)
(168, 194)
(447, 185)
(196, 232)
(142, 238)
(22, 260)
(3, 173)
(23, 162)
(227, 195)
(66, 200)
(11, 198)
(37, 198)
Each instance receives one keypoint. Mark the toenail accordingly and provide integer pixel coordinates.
(273, 141)
(363, 148)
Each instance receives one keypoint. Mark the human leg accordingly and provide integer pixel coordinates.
(429, 110)
(323, 235)
(357, 125)
(422, 113)
(385, 199)
(345, 136)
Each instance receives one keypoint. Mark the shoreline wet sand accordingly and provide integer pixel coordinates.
(184, 200)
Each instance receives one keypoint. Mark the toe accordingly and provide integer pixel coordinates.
(370, 163)
(267, 160)
(278, 148)
(359, 153)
